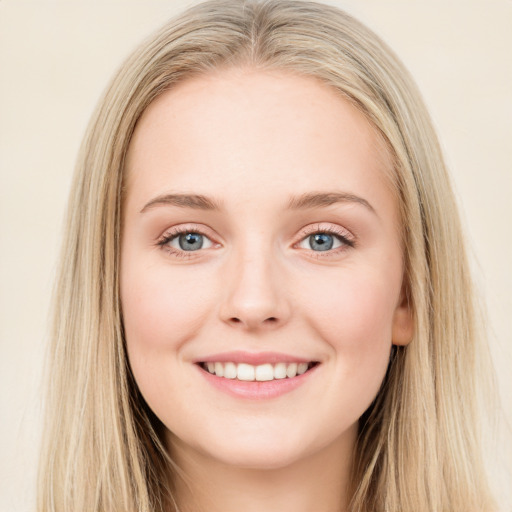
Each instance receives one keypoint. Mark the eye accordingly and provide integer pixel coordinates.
(329, 240)
(179, 241)
(183, 241)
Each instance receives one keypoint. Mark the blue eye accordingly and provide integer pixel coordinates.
(321, 241)
(182, 242)
(188, 241)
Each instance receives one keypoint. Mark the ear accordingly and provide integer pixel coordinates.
(403, 320)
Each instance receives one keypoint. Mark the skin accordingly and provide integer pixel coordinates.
(251, 139)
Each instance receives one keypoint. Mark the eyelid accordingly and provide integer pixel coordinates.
(347, 238)
(173, 232)
(324, 227)
(186, 228)
(341, 232)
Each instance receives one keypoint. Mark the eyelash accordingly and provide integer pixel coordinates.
(343, 236)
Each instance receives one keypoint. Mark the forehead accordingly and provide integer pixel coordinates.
(238, 132)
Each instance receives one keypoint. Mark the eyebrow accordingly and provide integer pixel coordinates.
(302, 202)
(195, 201)
(321, 199)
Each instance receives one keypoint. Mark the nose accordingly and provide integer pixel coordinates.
(256, 293)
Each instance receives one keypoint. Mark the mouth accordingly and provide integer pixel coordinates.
(257, 373)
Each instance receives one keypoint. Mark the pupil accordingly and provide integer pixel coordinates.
(321, 241)
(191, 241)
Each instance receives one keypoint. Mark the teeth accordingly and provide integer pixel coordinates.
(264, 372)
(301, 368)
(245, 372)
(219, 369)
(291, 370)
(261, 373)
(230, 371)
(280, 371)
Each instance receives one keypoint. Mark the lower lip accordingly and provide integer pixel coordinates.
(256, 390)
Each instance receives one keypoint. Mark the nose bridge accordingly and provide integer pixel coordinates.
(256, 294)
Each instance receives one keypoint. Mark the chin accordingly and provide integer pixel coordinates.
(254, 456)
(256, 449)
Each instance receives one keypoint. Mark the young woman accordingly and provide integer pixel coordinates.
(263, 301)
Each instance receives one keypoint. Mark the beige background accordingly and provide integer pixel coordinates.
(57, 56)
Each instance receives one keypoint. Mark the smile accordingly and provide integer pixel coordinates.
(259, 381)
(260, 373)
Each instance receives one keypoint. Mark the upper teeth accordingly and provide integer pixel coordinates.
(262, 372)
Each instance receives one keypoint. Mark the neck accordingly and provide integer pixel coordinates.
(318, 482)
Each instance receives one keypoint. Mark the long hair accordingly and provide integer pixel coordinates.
(418, 445)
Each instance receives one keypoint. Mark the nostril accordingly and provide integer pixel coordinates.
(253, 323)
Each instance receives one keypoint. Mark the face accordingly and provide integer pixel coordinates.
(261, 266)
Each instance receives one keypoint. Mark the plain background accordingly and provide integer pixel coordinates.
(56, 57)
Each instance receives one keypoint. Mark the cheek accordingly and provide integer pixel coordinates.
(162, 310)
(354, 311)
(158, 309)
(354, 315)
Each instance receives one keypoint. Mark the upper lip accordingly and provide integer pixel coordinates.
(253, 358)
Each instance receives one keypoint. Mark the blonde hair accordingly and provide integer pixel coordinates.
(418, 448)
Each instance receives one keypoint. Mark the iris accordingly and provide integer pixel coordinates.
(321, 241)
(190, 241)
